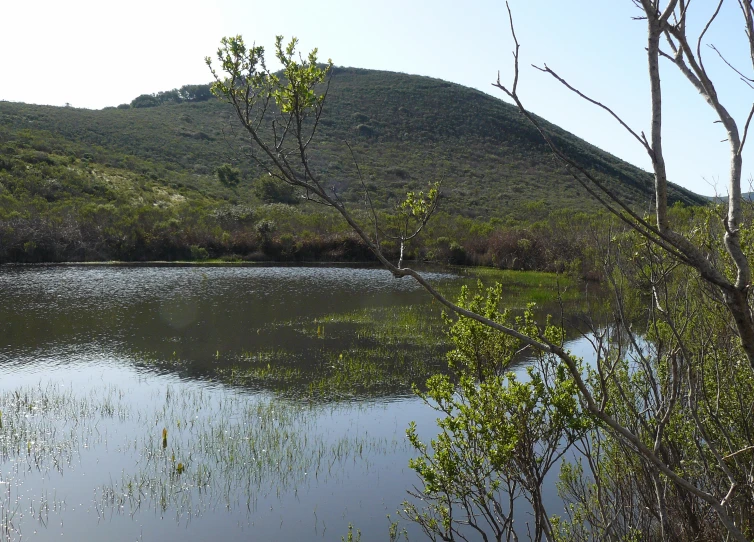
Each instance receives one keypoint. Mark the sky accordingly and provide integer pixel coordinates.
(93, 54)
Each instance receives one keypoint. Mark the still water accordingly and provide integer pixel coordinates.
(199, 403)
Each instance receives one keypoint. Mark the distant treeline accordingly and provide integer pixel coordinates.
(187, 93)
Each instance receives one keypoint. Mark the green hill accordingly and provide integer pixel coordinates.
(161, 152)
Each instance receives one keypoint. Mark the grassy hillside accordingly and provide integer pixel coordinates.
(118, 181)
(491, 160)
(406, 130)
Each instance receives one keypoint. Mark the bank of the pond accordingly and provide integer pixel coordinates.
(482, 269)
(557, 242)
(205, 263)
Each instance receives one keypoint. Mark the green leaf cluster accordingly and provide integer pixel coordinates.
(500, 433)
(247, 80)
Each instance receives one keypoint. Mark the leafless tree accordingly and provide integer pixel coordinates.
(670, 22)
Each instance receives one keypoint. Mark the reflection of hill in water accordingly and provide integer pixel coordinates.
(319, 332)
(248, 326)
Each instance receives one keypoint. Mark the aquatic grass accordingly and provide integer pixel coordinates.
(185, 450)
(153, 360)
(359, 372)
(47, 423)
(420, 324)
(372, 365)
(522, 287)
(362, 373)
(413, 325)
(272, 376)
(273, 368)
(235, 452)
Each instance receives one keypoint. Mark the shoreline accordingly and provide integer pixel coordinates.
(211, 263)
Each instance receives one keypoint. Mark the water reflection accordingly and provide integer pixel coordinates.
(82, 459)
(240, 366)
(204, 318)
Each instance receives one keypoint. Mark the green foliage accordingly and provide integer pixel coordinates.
(500, 435)
(409, 219)
(145, 100)
(265, 228)
(674, 375)
(350, 536)
(480, 350)
(271, 190)
(301, 78)
(199, 253)
(187, 93)
(492, 165)
(195, 93)
(228, 175)
(246, 76)
(417, 205)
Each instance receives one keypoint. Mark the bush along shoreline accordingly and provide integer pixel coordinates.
(96, 233)
(58, 232)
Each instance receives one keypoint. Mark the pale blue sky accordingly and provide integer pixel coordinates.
(93, 54)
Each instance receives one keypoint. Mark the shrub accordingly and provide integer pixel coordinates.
(199, 253)
(270, 190)
(228, 175)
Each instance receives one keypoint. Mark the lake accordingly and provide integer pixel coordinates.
(236, 403)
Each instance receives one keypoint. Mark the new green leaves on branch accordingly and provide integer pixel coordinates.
(301, 78)
(419, 205)
(500, 434)
(244, 69)
(248, 80)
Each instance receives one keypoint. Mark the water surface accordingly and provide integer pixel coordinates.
(285, 420)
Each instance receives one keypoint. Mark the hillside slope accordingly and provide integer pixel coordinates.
(406, 131)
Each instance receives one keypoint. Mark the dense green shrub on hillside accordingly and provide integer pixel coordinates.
(77, 183)
(420, 130)
(187, 93)
(270, 190)
(228, 175)
(145, 100)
